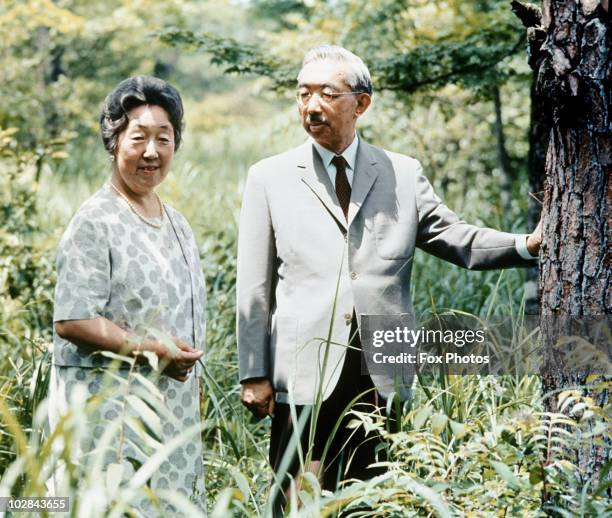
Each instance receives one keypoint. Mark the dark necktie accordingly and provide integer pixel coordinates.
(343, 188)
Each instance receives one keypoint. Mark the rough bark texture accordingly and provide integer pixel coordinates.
(570, 52)
(575, 270)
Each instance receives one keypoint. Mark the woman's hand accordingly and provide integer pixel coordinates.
(177, 364)
(102, 334)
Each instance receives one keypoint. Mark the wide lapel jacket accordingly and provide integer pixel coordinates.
(312, 172)
(303, 269)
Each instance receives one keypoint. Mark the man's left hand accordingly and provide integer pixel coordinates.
(257, 395)
(534, 240)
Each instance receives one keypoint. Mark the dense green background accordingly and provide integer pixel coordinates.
(467, 445)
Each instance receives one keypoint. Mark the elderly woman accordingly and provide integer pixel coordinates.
(128, 274)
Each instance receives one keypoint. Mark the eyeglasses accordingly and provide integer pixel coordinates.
(327, 96)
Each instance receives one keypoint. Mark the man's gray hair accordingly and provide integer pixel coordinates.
(358, 77)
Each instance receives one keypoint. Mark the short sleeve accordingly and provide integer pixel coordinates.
(83, 271)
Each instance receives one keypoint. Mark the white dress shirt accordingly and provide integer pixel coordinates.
(349, 154)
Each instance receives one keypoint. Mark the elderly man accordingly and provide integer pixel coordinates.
(327, 234)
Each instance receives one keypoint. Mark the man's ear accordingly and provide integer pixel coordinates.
(363, 103)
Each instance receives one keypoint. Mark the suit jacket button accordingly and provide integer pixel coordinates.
(353, 275)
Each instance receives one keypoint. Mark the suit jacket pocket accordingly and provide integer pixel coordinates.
(395, 239)
(284, 350)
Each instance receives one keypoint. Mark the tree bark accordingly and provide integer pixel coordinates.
(570, 52)
(575, 271)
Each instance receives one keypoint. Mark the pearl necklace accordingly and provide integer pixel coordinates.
(143, 218)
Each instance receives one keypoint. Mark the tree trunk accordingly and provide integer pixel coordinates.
(570, 51)
(575, 272)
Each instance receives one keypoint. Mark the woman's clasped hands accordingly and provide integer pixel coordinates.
(175, 358)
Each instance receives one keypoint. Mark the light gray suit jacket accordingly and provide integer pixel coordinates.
(302, 268)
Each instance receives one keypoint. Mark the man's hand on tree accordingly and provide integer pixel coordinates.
(534, 240)
(257, 395)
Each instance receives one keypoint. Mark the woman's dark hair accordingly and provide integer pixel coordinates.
(134, 92)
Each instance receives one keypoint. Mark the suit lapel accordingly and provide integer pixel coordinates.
(364, 178)
(313, 173)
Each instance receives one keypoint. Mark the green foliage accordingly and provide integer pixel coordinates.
(280, 13)
(238, 58)
(25, 269)
(471, 63)
(402, 57)
(467, 446)
(51, 461)
(26, 281)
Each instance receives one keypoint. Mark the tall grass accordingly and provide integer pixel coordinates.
(466, 446)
